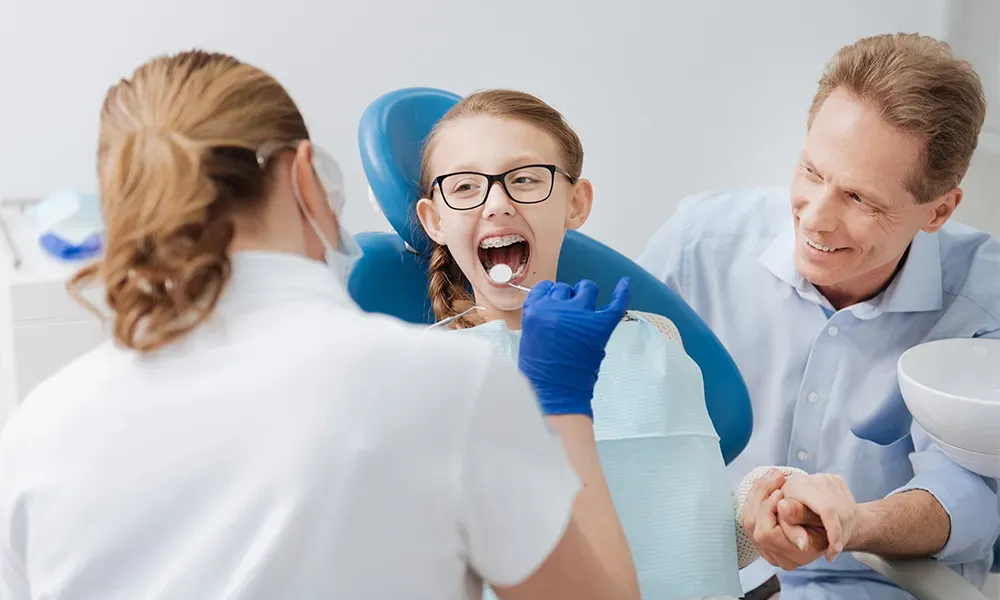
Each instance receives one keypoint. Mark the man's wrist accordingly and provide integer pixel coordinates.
(864, 532)
(911, 524)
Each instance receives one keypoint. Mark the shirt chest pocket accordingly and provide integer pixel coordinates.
(873, 470)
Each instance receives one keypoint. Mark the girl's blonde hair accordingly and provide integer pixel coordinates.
(176, 159)
(449, 288)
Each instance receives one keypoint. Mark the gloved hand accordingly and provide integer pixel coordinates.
(563, 336)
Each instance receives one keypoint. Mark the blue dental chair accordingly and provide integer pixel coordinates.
(391, 278)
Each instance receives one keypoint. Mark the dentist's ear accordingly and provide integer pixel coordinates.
(580, 204)
(430, 220)
(314, 201)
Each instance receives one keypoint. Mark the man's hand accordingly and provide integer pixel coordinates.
(785, 532)
(829, 499)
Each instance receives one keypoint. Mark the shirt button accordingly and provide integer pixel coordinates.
(833, 330)
(802, 455)
(813, 398)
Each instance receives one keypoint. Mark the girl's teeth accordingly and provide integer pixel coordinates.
(500, 242)
(520, 270)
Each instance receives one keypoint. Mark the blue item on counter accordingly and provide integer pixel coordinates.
(60, 248)
(68, 224)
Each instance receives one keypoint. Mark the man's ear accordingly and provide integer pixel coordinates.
(580, 204)
(942, 209)
(430, 220)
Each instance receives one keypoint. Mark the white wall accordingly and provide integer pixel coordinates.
(974, 32)
(669, 97)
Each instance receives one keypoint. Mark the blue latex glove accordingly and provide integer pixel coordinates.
(563, 336)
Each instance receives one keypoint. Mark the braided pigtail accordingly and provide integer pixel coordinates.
(447, 290)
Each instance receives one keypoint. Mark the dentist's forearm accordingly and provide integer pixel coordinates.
(594, 511)
(910, 524)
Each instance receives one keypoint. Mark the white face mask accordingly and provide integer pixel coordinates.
(339, 260)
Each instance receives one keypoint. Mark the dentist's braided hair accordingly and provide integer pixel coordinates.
(176, 161)
(449, 289)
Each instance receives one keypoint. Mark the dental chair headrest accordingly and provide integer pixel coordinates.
(391, 136)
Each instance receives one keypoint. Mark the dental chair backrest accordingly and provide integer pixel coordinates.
(391, 278)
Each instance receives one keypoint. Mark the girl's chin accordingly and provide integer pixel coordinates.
(506, 305)
(502, 300)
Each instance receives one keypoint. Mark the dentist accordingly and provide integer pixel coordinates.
(816, 304)
(250, 433)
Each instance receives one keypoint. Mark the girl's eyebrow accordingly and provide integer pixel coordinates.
(510, 163)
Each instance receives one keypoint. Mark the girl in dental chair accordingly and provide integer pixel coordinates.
(501, 176)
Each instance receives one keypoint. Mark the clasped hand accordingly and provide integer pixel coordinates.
(796, 520)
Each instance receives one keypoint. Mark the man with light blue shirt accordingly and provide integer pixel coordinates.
(817, 303)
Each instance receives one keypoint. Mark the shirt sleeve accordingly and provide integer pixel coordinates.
(518, 487)
(971, 503)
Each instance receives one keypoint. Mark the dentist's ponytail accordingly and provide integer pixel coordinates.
(176, 161)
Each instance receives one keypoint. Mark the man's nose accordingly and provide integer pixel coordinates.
(820, 213)
(497, 202)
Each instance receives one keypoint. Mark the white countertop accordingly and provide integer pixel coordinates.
(36, 265)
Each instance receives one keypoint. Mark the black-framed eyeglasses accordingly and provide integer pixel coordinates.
(527, 184)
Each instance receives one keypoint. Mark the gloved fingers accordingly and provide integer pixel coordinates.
(538, 291)
(561, 291)
(585, 292)
(619, 298)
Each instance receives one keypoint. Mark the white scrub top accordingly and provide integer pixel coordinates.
(290, 447)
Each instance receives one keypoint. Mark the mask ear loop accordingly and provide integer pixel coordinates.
(331, 177)
(302, 205)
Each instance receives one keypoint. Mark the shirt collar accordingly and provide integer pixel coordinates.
(779, 258)
(265, 277)
(916, 288)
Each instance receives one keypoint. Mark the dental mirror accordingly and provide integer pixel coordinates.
(502, 273)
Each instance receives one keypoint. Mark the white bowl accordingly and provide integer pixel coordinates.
(987, 465)
(952, 389)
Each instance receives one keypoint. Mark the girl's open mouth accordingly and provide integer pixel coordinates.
(511, 249)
